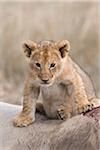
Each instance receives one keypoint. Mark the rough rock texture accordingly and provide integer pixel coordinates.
(77, 133)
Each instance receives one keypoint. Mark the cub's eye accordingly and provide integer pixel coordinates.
(38, 65)
(52, 65)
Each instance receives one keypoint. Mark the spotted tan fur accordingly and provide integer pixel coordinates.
(66, 89)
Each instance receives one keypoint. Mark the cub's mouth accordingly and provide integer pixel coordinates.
(46, 82)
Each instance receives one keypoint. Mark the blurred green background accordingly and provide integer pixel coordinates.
(78, 22)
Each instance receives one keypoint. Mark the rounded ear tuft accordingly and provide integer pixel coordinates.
(64, 47)
(28, 47)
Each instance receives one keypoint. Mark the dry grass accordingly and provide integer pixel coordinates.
(76, 21)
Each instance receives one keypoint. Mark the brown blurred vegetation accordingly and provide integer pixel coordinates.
(78, 22)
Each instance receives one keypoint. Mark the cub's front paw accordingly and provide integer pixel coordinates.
(63, 113)
(86, 107)
(23, 121)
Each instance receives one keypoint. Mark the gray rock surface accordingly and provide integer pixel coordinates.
(77, 133)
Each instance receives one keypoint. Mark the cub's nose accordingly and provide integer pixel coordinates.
(45, 80)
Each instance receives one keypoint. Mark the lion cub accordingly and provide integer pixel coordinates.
(65, 88)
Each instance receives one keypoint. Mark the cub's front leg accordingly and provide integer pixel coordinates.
(27, 116)
(79, 96)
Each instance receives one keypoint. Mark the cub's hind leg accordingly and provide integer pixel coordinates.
(65, 110)
(40, 108)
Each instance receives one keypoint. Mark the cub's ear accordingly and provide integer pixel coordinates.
(64, 47)
(28, 47)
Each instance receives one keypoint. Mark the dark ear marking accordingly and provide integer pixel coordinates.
(63, 51)
(27, 50)
(28, 47)
(63, 47)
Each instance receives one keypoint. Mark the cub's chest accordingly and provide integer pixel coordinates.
(54, 92)
(53, 97)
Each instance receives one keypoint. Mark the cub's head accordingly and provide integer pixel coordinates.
(46, 59)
